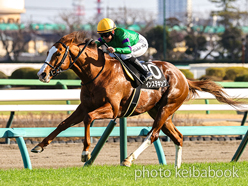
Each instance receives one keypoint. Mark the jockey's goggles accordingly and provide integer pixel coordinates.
(105, 34)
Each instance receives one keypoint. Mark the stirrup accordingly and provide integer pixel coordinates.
(147, 76)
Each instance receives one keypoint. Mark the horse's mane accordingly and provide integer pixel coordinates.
(78, 37)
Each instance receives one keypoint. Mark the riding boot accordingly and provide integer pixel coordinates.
(146, 75)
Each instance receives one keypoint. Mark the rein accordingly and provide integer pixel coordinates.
(57, 70)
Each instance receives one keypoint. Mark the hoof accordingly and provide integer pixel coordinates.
(37, 149)
(126, 163)
(85, 157)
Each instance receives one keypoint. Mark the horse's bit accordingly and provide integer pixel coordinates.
(57, 70)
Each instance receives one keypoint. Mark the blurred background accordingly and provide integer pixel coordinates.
(203, 38)
(193, 35)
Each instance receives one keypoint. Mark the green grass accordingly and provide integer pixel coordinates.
(225, 174)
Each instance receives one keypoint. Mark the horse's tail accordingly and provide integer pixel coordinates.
(212, 88)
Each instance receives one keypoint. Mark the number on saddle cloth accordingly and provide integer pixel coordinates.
(158, 80)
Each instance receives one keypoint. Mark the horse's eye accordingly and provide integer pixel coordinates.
(58, 54)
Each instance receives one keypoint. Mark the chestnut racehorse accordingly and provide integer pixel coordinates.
(106, 92)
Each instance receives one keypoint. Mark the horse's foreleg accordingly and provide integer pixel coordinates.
(106, 111)
(76, 117)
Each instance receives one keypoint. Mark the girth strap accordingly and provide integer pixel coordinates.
(134, 101)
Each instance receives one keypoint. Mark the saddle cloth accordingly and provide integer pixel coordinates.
(158, 80)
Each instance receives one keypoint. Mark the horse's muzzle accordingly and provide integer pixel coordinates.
(44, 77)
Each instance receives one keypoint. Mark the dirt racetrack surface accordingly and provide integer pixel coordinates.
(68, 155)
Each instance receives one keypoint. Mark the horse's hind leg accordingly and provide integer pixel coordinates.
(170, 130)
(160, 117)
(128, 161)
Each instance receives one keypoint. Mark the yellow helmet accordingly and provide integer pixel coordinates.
(105, 25)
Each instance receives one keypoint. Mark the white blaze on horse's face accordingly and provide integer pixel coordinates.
(43, 76)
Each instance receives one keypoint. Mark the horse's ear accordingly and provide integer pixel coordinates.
(71, 41)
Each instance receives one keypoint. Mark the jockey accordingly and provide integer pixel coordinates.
(127, 44)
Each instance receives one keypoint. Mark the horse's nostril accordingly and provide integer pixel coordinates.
(43, 75)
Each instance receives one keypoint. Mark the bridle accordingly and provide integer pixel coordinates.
(57, 70)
